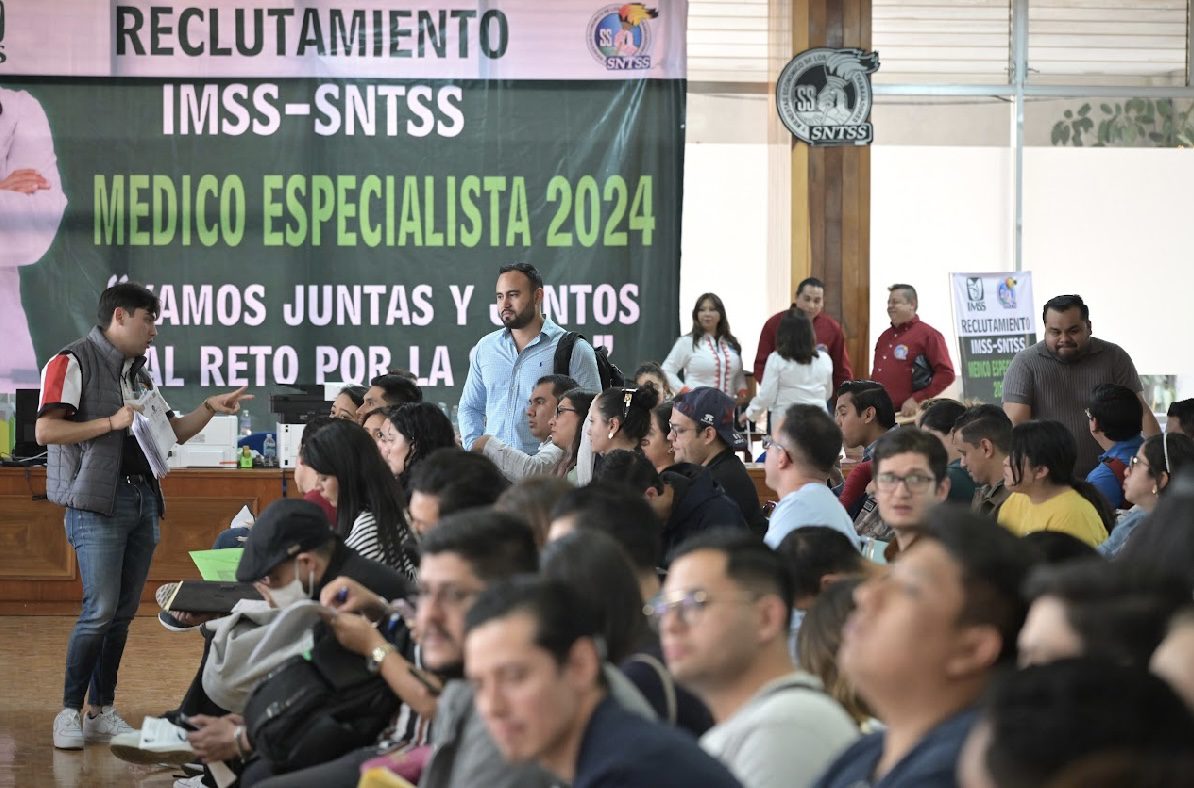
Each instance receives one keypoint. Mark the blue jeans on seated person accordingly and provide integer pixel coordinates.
(231, 537)
(114, 553)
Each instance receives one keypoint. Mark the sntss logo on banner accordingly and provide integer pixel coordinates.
(619, 36)
(824, 96)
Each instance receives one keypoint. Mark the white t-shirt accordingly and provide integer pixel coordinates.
(785, 736)
(786, 382)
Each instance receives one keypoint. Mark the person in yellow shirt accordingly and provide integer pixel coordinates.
(1039, 470)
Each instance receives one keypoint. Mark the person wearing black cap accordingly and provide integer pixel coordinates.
(703, 433)
(293, 552)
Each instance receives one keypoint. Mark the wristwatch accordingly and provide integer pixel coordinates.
(377, 656)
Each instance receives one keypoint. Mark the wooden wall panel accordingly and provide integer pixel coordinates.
(33, 540)
(38, 571)
(831, 203)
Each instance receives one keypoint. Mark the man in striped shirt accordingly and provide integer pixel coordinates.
(1054, 378)
(506, 364)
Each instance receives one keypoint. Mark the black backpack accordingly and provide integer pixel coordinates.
(606, 369)
(316, 707)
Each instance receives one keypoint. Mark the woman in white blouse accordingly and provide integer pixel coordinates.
(796, 371)
(708, 356)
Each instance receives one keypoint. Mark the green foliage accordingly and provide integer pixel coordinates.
(1138, 122)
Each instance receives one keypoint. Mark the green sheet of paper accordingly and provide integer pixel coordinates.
(217, 564)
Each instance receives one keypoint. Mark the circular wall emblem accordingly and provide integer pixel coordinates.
(824, 96)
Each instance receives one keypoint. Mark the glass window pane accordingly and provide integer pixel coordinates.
(1109, 42)
(943, 42)
(728, 41)
(1109, 122)
(942, 120)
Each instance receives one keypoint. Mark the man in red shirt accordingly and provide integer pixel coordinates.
(810, 299)
(897, 352)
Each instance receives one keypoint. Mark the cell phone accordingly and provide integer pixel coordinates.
(185, 722)
(430, 684)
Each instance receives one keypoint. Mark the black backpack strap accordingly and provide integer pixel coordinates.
(563, 358)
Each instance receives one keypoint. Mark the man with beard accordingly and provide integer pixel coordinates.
(1053, 379)
(505, 365)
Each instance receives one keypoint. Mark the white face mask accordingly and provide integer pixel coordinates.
(293, 591)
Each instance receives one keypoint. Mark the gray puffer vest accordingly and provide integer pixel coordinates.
(84, 475)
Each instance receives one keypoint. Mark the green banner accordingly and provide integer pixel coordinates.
(315, 230)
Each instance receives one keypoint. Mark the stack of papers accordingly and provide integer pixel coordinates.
(218, 564)
(153, 431)
(160, 735)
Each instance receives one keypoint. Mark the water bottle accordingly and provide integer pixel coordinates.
(246, 422)
(269, 450)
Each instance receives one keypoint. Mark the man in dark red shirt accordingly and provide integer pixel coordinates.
(900, 346)
(810, 299)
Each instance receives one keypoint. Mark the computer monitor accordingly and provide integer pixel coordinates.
(25, 427)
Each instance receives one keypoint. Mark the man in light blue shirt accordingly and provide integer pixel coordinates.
(803, 446)
(506, 364)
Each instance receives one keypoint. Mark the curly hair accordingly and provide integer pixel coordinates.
(425, 428)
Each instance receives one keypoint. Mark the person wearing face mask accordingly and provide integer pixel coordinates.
(291, 554)
(291, 551)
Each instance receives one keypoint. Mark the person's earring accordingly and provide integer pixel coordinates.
(611, 435)
(1154, 489)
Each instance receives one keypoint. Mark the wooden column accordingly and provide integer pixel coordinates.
(831, 189)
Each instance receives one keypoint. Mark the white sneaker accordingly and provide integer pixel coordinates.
(189, 782)
(157, 742)
(104, 725)
(68, 730)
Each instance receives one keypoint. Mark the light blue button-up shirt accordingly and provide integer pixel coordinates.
(500, 381)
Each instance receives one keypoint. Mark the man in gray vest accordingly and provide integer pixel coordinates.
(100, 474)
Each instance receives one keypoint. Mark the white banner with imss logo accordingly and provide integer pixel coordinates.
(995, 318)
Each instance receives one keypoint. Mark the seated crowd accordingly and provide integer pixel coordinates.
(598, 598)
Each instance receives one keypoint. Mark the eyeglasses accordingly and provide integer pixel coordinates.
(673, 429)
(560, 410)
(1137, 461)
(768, 442)
(915, 482)
(687, 607)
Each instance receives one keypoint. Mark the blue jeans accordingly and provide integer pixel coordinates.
(114, 554)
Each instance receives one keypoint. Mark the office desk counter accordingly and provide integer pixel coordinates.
(38, 572)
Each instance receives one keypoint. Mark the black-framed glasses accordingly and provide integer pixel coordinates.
(915, 482)
(561, 409)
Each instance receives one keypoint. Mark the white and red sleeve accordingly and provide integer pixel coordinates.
(61, 385)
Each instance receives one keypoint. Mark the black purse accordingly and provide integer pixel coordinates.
(922, 372)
